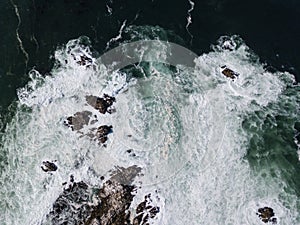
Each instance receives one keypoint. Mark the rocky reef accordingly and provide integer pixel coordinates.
(106, 204)
(102, 133)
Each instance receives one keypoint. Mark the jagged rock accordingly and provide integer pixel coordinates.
(102, 133)
(267, 214)
(145, 211)
(48, 166)
(228, 72)
(116, 196)
(84, 60)
(106, 205)
(79, 119)
(73, 205)
(101, 104)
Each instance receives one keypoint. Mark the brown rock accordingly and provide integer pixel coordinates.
(78, 120)
(229, 73)
(102, 133)
(107, 205)
(101, 104)
(267, 214)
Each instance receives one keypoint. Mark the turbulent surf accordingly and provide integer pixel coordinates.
(180, 145)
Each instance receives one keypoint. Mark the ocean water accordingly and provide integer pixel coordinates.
(212, 150)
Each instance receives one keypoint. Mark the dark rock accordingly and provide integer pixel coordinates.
(101, 104)
(73, 205)
(102, 133)
(145, 211)
(84, 60)
(267, 214)
(48, 166)
(79, 119)
(229, 73)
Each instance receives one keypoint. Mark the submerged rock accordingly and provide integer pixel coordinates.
(103, 105)
(78, 120)
(104, 205)
(266, 215)
(228, 72)
(48, 166)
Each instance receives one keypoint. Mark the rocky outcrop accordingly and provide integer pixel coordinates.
(229, 73)
(72, 206)
(266, 214)
(78, 120)
(107, 204)
(103, 105)
(102, 133)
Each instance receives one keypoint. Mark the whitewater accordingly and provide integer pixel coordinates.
(194, 132)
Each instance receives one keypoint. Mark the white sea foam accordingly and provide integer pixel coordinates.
(184, 127)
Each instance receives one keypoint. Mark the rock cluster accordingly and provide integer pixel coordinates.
(80, 119)
(83, 60)
(109, 201)
(266, 214)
